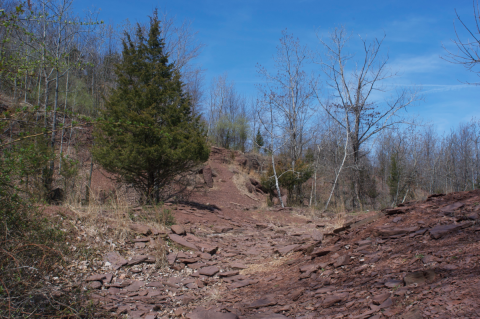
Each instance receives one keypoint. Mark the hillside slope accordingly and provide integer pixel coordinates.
(230, 256)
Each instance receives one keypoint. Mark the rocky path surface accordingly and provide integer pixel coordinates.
(205, 264)
(230, 258)
(416, 261)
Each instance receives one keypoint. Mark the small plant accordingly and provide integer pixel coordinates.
(165, 217)
(131, 215)
(269, 202)
(419, 256)
(69, 170)
(160, 254)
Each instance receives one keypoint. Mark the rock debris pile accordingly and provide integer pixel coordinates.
(416, 261)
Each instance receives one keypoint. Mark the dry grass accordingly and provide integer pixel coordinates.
(119, 214)
(160, 253)
(339, 219)
(239, 181)
(278, 220)
(95, 215)
(268, 267)
(33, 278)
(214, 293)
(103, 228)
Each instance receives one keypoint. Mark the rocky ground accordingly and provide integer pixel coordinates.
(229, 257)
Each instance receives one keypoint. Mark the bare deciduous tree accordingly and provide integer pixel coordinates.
(227, 114)
(354, 106)
(468, 46)
(288, 93)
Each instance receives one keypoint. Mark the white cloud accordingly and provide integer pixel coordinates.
(436, 88)
(417, 64)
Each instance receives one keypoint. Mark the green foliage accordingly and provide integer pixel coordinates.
(84, 101)
(21, 169)
(25, 159)
(69, 170)
(231, 134)
(269, 201)
(310, 155)
(14, 64)
(367, 185)
(32, 245)
(154, 213)
(147, 133)
(259, 142)
(11, 207)
(242, 128)
(292, 181)
(165, 217)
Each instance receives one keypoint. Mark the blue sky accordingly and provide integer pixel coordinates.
(240, 34)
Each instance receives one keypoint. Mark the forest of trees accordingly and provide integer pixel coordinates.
(324, 138)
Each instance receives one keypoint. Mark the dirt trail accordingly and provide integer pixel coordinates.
(230, 258)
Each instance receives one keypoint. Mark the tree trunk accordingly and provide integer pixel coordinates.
(338, 174)
(46, 101)
(89, 187)
(26, 87)
(276, 182)
(151, 188)
(54, 123)
(15, 88)
(39, 89)
(47, 172)
(93, 144)
(63, 127)
(356, 170)
(313, 185)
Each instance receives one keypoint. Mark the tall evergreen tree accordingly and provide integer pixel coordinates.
(148, 133)
(259, 142)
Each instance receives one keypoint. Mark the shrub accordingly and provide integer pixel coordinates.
(291, 181)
